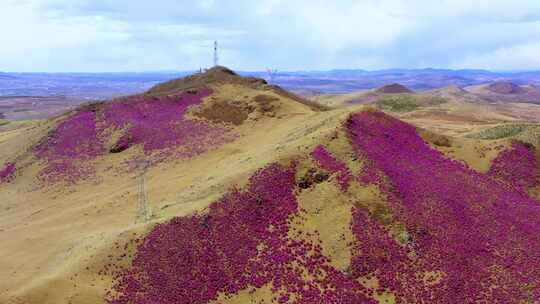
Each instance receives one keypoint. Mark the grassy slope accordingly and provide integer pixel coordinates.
(529, 133)
(338, 100)
(463, 113)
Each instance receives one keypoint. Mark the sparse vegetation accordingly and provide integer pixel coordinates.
(433, 100)
(528, 133)
(407, 102)
(224, 112)
(397, 103)
(437, 139)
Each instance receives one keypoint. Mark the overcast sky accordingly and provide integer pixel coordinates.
(142, 35)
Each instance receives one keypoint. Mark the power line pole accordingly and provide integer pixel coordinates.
(271, 74)
(216, 58)
(143, 210)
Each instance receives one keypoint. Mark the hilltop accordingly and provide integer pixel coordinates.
(362, 97)
(394, 88)
(505, 87)
(217, 188)
(221, 75)
(505, 92)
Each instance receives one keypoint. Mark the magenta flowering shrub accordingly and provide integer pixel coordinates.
(8, 172)
(516, 166)
(328, 162)
(192, 259)
(242, 243)
(377, 254)
(70, 148)
(481, 237)
(468, 237)
(158, 124)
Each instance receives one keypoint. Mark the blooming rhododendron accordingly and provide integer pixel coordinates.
(242, 243)
(69, 149)
(158, 124)
(7, 173)
(516, 166)
(481, 237)
(468, 237)
(328, 162)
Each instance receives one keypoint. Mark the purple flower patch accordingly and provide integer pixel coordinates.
(328, 162)
(468, 237)
(70, 148)
(516, 166)
(241, 243)
(7, 173)
(158, 124)
(478, 235)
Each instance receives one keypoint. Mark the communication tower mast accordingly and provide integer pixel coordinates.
(216, 58)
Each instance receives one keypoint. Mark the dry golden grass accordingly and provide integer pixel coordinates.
(339, 100)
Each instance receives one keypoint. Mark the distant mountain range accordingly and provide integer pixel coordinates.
(87, 86)
(341, 81)
(107, 85)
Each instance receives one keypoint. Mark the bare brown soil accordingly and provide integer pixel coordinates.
(223, 112)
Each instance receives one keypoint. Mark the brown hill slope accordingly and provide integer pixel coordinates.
(505, 92)
(505, 87)
(394, 88)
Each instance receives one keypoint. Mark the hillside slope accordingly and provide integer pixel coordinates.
(451, 111)
(221, 189)
(506, 91)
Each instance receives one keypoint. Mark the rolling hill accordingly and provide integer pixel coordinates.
(506, 91)
(217, 188)
(451, 110)
(394, 88)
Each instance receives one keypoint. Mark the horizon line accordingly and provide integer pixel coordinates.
(286, 71)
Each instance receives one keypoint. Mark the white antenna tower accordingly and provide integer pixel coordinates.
(216, 58)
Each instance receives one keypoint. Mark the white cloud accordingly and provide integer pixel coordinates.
(52, 41)
(113, 35)
(517, 57)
